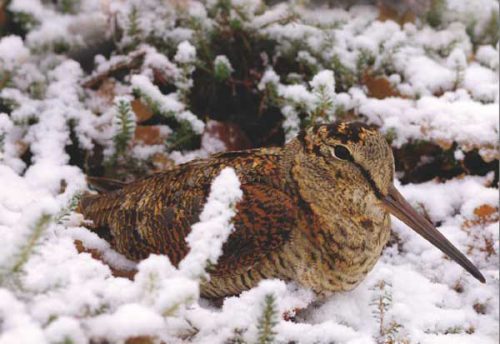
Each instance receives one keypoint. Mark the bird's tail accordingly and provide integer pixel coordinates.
(102, 184)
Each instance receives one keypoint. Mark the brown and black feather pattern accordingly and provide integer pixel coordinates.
(155, 214)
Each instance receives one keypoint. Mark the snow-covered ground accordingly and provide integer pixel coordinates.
(445, 90)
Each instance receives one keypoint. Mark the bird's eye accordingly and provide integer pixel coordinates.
(341, 153)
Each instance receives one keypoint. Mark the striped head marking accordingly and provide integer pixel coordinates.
(353, 146)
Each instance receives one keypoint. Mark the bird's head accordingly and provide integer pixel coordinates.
(358, 149)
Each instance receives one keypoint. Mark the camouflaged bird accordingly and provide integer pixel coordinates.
(316, 211)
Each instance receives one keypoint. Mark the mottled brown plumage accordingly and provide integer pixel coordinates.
(315, 211)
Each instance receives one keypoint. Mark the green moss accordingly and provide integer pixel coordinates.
(26, 250)
(435, 15)
(5, 78)
(344, 77)
(68, 6)
(268, 321)
(236, 338)
(133, 30)
(125, 121)
(37, 90)
(222, 71)
(24, 21)
(68, 209)
(391, 135)
(492, 31)
(365, 60)
(183, 138)
(2, 143)
(489, 34)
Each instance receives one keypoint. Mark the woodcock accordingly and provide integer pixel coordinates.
(316, 211)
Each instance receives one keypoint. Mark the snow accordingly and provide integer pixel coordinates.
(186, 53)
(269, 77)
(65, 329)
(482, 83)
(416, 303)
(488, 56)
(165, 289)
(208, 235)
(169, 104)
(130, 320)
(155, 60)
(324, 82)
(222, 67)
(12, 51)
(191, 118)
(17, 325)
(437, 119)
(223, 60)
(442, 78)
(297, 94)
(243, 311)
(275, 14)
(446, 91)
(291, 124)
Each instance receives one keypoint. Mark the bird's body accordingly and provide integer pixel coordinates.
(306, 215)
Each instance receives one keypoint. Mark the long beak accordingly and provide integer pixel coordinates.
(399, 207)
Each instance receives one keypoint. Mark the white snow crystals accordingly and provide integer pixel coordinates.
(208, 235)
(186, 53)
(324, 82)
(12, 51)
(167, 104)
(222, 67)
(317, 100)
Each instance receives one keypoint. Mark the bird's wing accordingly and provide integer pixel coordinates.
(263, 224)
(154, 215)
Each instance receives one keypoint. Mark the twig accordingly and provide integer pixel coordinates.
(127, 62)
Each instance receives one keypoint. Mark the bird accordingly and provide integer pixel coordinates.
(316, 211)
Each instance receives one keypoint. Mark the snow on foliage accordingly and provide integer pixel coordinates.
(81, 81)
(168, 105)
(207, 236)
(186, 53)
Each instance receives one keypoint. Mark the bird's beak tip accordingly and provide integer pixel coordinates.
(399, 207)
(481, 278)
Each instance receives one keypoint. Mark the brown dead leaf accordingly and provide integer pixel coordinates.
(444, 144)
(106, 91)
(149, 135)
(388, 13)
(485, 211)
(141, 110)
(484, 214)
(379, 86)
(489, 154)
(230, 133)
(141, 340)
(3, 14)
(22, 147)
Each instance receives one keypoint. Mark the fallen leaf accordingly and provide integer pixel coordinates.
(150, 134)
(141, 340)
(379, 86)
(229, 133)
(388, 13)
(485, 211)
(142, 111)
